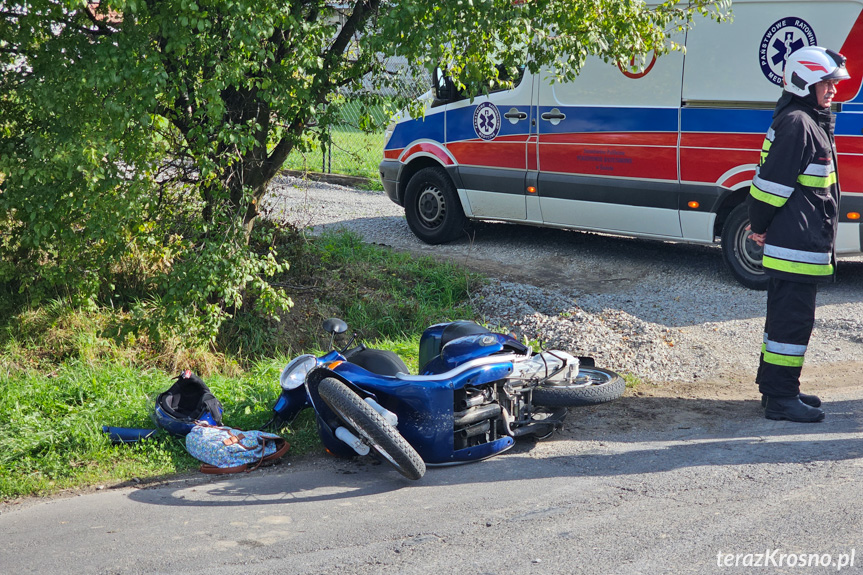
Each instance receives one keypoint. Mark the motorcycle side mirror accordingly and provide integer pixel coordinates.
(335, 326)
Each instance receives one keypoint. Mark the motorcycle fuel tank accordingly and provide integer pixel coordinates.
(435, 337)
(470, 347)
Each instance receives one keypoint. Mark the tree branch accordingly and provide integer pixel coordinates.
(102, 28)
(363, 9)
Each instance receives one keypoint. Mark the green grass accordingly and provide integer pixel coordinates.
(54, 436)
(54, 422)
(390, 294)
(65, 373)
(632, 381)
(354, 153)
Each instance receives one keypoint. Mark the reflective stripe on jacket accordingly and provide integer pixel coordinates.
(795, 193)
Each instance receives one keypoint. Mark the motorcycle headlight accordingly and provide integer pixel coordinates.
(294, 374)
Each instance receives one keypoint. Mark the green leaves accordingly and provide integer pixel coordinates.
(470, 39)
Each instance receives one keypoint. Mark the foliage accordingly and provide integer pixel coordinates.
(416, 289)
(138, 137)
(380, 293)
(477, 40)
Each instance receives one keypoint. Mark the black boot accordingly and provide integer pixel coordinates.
(792, 409)
(810, 400)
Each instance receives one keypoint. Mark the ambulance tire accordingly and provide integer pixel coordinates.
(432, 207)
(742, 255)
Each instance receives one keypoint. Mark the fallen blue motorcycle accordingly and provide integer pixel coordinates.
(476, 392)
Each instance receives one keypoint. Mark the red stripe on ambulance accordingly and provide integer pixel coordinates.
(497, 153)
(852, 49)
(426, 148)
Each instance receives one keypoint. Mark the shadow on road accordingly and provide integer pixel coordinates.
(597, 443)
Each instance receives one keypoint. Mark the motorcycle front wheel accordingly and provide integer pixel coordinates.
(370, 426)
(592, 386)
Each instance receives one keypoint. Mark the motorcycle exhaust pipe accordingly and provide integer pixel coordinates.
(476, 414)
(391, 417)
(352, 440)
(474, 430)
(471, 401)
(531, 429)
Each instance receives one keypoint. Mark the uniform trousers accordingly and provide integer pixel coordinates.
(788, 326)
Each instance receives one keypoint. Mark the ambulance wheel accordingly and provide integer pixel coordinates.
(742, 255)
(432, 207)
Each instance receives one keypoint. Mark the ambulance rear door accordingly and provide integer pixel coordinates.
(732, 81)
(607, 148)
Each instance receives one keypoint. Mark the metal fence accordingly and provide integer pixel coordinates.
(351, 149)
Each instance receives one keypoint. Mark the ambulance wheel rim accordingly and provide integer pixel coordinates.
(750, 253)
(431, 207)
(742, 255)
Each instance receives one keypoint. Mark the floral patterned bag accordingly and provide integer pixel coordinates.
(229, 450)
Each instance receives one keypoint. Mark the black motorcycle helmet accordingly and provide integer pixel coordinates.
(187, 401)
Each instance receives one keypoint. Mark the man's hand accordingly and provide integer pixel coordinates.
(757, 238)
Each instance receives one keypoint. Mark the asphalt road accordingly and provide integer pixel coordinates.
(683, 497)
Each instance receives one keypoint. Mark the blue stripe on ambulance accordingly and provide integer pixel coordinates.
(430, 128)
(717, 120)
(578, 119)
(460, 123)
(585, 119)
(596, 119)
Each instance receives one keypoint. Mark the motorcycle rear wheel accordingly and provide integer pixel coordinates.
(370, 426)
(594, 385)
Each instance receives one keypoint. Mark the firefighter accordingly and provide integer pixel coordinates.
(794, 211)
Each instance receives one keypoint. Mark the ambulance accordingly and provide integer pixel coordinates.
(666, 153)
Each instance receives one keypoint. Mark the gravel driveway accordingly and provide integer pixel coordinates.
(662, 311)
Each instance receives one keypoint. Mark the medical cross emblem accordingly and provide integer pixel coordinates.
(782, 39)
(486, 121)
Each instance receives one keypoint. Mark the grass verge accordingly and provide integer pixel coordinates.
(65, 372)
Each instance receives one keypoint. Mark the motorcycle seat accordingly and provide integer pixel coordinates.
(379, 361)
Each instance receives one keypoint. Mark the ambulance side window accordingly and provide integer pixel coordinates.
(504, 75)
(445, 90)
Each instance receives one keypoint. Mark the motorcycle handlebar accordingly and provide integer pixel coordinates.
(354, 350)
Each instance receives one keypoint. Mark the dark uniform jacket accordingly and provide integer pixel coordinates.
(795, 192)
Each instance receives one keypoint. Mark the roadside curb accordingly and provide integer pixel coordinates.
(339, 179)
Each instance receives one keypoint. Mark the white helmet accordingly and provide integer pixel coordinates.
(808, 66)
